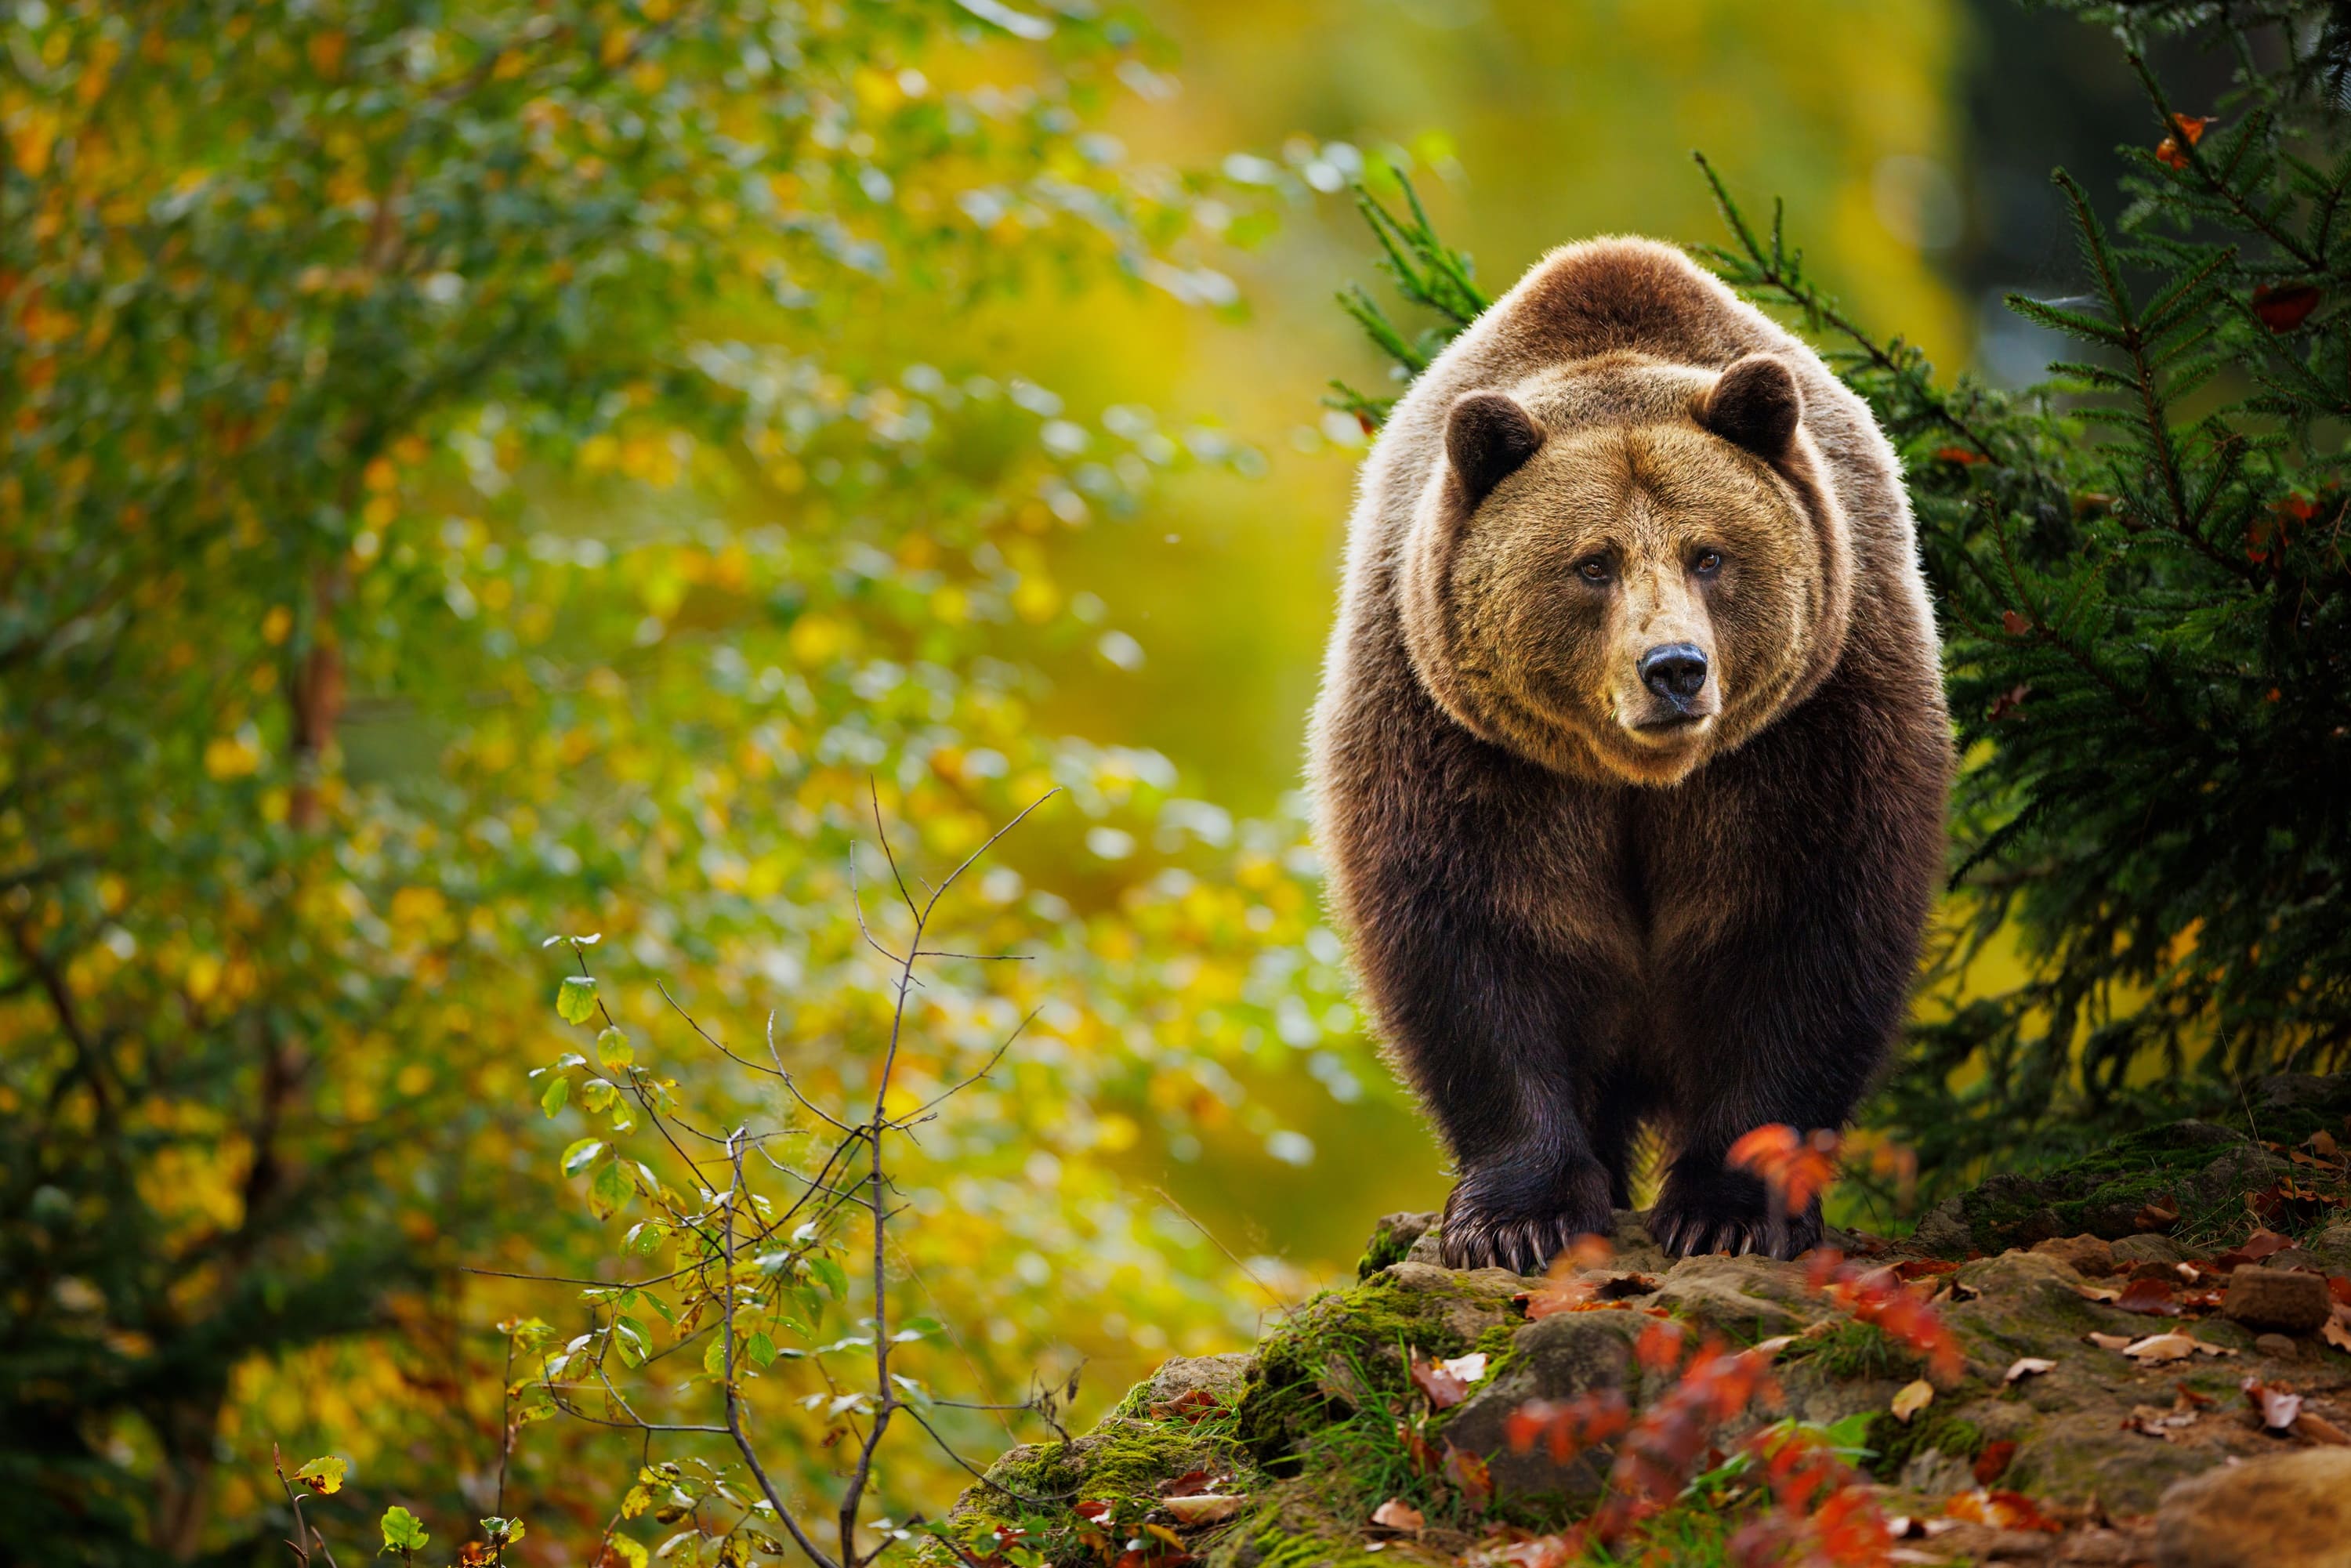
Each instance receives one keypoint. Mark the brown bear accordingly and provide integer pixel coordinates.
(1631, 759)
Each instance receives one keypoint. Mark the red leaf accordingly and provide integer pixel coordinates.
(2157, 1213)
(2013, 623)
(1467, 1472)
(1992, 1463)
(1093, 1509)
(2008, 701)
(2261, 1244)
(1958, 455)
(2154, 1298)
(1444, 1390)
(2187, 128)
(2284, 308)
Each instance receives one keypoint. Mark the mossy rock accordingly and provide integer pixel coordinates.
(1347, 1346)
(2204, 1167)
(1392, 1239)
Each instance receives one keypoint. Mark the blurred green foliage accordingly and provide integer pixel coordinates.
(475, 471)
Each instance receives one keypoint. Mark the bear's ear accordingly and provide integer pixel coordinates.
(1755, 405)
(1488, 438)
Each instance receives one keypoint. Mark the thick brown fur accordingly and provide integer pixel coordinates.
(1586, 893)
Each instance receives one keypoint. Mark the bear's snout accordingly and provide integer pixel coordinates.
(1675, 671)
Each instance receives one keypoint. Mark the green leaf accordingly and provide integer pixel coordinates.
(323, 1476)
(830, 1275)
(612, 1046)
(581, 1155)
(630, 1335)
(596, 1096)
(760, 1348)
(609, 1191)
(558, 1090)
(575, 999)
(402, 1531)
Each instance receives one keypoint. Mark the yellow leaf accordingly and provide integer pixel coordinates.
(1914, 1397)
(323, 1476)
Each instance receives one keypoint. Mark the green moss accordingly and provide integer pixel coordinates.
(1854, 1350)
(1339, 1349)
(1388, 1245)
(1893, 1443)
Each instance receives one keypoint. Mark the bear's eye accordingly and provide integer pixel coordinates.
(1708, 563)
(1594, 569)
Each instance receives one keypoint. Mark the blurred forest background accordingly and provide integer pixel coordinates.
(481, 471)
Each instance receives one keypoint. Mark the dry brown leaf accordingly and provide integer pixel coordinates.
(2109, 1341)
(2096, 1293)
(1208, 1507)
(2025, 1366)
(1397, 1514)
(2161, 1347)
(1774, 1345)
(1914, 1397)
(2319, 1429)
(2335, 1333)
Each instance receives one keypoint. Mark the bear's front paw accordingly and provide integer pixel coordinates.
(1728, 1213)
(1498, 1219)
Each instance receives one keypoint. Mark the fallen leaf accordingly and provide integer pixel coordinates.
(2161, 1347)
(2275, 1403)
(1467, 1368)
(1093, 1509)
(2025, 1366)
(1397, 1514)
(1443, 1388)
(2204, 1348)
(1191, 1483)
(2149, 1298)
(2339, 1287)
(1914, 1397)
(2319, 1429)
(1467, 1471)
(2190, 1400)
(1205, 1508)
(2001, 1510)
(2094, 1292)
(1773, 1345)
(1992, 1463)
(2158, 1213)
(2152, 1422)
(2335, 1335)
(2109, 1341)
(2261, 1244)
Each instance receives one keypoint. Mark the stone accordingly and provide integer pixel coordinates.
(2332, 1246)
(1220, 1376)
(2278, 1345)
(2147, 1248)
(1942, 1231)
(1753, 1298)
(2282, 1511)
(2092, 1257)
(2277, 1299)
(1556, 1358)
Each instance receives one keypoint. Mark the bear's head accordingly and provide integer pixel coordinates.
(1623, 567)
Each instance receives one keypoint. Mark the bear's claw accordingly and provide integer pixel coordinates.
(1694, 1227)
(1521, 1231)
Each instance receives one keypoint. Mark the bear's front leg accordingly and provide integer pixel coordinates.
(1504, 1043)
(1785, 1023)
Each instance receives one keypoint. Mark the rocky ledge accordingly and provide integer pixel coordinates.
(2143, 1359)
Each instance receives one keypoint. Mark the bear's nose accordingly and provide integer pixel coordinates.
(1675, 671)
